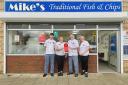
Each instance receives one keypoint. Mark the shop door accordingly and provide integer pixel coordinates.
(108, 51)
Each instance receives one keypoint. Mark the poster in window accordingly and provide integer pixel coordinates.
(125, 42)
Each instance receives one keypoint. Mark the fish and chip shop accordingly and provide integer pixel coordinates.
(26, 23)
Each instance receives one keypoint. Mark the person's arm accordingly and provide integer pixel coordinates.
(55, 44)
(56, 47)
(82, 53)
(87, 49)
(76, 46)
(45, 45)
(59, 48)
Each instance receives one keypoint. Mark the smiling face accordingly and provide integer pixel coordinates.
(51, 36)
(61, 39)
(72, 37)
(82, 38)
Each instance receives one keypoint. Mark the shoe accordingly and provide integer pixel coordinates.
(70, 73)
(59, 73)
(86, 74)
(52, 74)
(44, 75)
(82, 73)
(76, 75)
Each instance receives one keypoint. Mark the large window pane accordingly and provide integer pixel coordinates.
(17, 26)
(25, 42)
(63, 26)
(109, 26)
(90, 36)
(85, 26)
(40, 26)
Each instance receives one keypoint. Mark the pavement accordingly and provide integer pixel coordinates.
(37, 79)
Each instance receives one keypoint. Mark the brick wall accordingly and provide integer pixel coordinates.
(125, 66)
(1, 5)
(125, 5)
(1, 37)
(34, 64)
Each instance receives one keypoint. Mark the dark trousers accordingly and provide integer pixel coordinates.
(60, 62)
(84, 62)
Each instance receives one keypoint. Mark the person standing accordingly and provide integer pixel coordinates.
(60, 55)
(84, 55)
(73, 55)
(49, 55)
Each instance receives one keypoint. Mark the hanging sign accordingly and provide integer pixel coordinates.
(42, 38)
(66, 47)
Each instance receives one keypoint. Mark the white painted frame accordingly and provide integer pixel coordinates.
(121, 46)
(4, 59)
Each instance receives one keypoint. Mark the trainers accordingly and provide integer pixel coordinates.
(59, 73)
(82, 72)
(70, 73)
(52, 74)
(76, 75)
(86, 74)
(44, 75)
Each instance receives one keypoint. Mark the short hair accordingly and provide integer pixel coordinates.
(60, 37)
(82, 36)
(52, 34)
(72, 36)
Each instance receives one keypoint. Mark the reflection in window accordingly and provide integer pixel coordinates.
(26, 42)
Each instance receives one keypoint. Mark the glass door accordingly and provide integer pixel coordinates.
(108, 51)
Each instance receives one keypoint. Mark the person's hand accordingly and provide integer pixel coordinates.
(56, 48)
(72, 48)
(81, 53)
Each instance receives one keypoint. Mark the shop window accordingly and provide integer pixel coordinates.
(22, 39)
(85, 26)
(17, 26)
(40, 26)
(26, 42)
(90, 36)
(125, 42)
(63, 26)
(109, 26)
(125, 49)
(29, 38)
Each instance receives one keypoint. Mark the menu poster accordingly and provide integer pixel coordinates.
(125, 42)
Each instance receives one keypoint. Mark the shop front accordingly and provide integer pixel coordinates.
(25, 50)
(28, 24)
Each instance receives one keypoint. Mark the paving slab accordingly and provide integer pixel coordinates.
(38, 79)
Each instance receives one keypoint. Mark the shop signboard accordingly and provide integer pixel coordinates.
(63, 6)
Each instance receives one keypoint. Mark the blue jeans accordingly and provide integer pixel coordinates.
(73, 60)
(49, 59)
